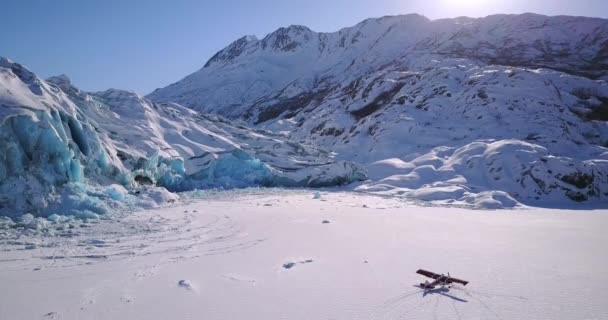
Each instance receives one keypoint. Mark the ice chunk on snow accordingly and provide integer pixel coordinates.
(185, 284)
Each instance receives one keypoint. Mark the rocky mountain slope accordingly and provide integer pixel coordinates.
(65, 151)
(490, 111)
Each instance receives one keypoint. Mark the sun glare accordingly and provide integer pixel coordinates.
(465, 7)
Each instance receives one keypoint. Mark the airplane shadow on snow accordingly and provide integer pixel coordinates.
(443, 292)
(396, 304)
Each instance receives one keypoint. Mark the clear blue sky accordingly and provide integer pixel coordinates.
(144, 44)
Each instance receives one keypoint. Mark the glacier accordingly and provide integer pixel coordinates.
(68, 152)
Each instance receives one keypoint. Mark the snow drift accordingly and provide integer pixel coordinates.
(65, 151)
(491, 175)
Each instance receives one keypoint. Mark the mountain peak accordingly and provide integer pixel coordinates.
(62, 81)
(232, 51)
(62, 77)
(5, 61)
(296, 28)
(19, 70)
(413, 17)
(402, 18)
(287, 39)
(118, 95)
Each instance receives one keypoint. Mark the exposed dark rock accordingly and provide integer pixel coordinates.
(380, 101)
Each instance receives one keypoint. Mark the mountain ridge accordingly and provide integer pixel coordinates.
(411, 89)
(389, 39)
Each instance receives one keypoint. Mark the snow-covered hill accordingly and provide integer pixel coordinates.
(490, 111)
(65, 151)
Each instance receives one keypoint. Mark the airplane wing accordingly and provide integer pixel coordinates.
(429, 274)
(463, 282)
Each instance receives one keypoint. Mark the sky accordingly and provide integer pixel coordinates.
(141, 45)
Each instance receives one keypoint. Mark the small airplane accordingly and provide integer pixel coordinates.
(440, 280)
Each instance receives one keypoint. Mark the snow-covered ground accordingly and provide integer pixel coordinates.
(291, 254)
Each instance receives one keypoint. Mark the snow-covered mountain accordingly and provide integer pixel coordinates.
(490, 111)
(486, 112)
(65, 151)
(296, 59)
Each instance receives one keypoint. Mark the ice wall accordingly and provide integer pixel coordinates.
(68, 152)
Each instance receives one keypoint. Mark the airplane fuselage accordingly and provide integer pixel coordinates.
(440, 280)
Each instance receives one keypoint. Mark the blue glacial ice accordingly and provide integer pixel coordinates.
(64, 152)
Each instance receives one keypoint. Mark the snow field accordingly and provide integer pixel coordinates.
(231, 249)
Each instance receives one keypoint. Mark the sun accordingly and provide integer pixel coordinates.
(465, 7)
(465, 3)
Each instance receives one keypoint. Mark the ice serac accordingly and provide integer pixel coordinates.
(417, 93)
(65, 151)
